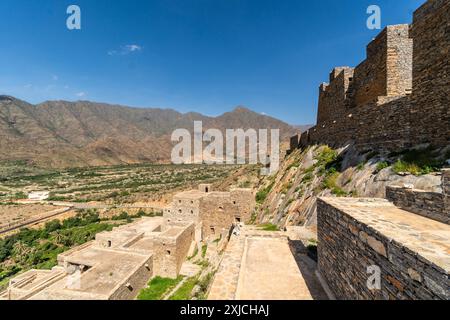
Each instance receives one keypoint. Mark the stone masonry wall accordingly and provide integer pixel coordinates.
(430, 113)
(130, 288)
(347, 247)
(217, 214)
(333, 96)
(171, 251)
(432, 205)
(427, 204)
(294, 142)
(387, 71)
(384, 126)
(398, 96)
(369, 105)
(183, 208)
(244, 202)
(446, 188)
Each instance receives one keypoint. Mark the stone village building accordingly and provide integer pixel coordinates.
(396, 98)
(117, 264)
(213, 212)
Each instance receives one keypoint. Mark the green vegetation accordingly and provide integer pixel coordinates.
(262, 194)
(328, 161)
(114, 184)
(330, 182)
(269, 227)
(141, 213)
(158, 287)
(19, 195)
(203, 286)
(361, 165)
(202, 263)
(294, 164)
(245, 184)
(307, 177)
(253, 217)
(382, 165)
(328, 158)
(204, 248)
(418, 161)
(353, 194)
(411, 167)
(39, 248)
(185, 291)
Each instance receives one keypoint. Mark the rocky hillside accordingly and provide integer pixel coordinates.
(67, 134)
(289, 197)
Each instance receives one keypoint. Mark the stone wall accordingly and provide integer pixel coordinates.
(446, 188)
(333, 100)
(398, 96)
(294, 142)
(184, 208)
(217, 214)
(383, 124)
(245, 203)
(215, 211)
(432, 205)
(387, 71)
(205, 187)
(430, 113)
(171, 249)
(348, 247)
(427, 204)
(138, 279)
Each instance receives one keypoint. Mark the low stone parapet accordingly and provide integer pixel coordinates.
(370, 249)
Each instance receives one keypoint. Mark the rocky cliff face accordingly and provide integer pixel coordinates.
(289, 197)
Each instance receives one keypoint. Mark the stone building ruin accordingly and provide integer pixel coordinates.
(117, 264)
(213, 212)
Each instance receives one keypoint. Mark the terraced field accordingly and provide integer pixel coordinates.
(110, 185)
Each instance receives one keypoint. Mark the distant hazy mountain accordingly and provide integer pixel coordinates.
(83, 133)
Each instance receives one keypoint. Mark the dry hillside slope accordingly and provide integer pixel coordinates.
(289, 197)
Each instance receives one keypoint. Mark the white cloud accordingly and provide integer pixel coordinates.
(81, 94)
(132, 48)
(28, 86)
(55, 77)
(125, 50)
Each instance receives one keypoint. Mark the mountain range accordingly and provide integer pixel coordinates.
(83, 133)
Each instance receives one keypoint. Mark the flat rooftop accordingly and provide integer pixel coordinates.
(172, 232)
(192, 195)
(196, 194)
(143, 225)
(103, 276)
(428, 238)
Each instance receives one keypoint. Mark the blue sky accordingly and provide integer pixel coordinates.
(206, 56)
